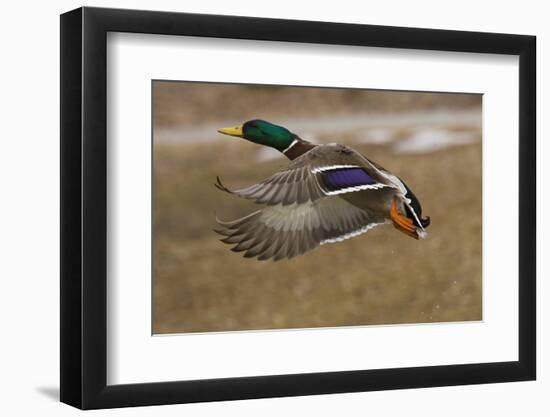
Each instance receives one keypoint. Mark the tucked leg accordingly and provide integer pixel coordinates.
(402, 223)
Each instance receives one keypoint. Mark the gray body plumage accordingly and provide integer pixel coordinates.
(301, 212)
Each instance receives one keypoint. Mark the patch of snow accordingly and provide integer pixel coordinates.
(377, 136)
(430, 140)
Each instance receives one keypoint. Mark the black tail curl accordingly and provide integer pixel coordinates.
(425, 222)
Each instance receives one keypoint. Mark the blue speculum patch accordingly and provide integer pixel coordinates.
(347, 177)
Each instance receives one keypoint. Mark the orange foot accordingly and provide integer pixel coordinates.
(402, 223)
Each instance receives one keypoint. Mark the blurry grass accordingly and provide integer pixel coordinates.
(187, 103)
(380, 277)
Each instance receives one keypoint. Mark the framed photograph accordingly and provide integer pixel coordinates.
(260, 208)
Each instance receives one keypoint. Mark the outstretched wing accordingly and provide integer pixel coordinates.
(314, 175)
(294, 185)
(280, 231)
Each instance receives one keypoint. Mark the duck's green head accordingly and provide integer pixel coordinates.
(262, 133)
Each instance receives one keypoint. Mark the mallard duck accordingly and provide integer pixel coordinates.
(328, 193)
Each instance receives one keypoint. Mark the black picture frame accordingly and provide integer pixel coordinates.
(84, 207)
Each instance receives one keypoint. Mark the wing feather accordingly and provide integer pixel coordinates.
(284, 231)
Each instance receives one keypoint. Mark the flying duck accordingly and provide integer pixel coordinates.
(328, 193)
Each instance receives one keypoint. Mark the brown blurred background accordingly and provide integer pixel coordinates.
(431, 140)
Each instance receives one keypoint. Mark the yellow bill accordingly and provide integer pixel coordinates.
(232, 131)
